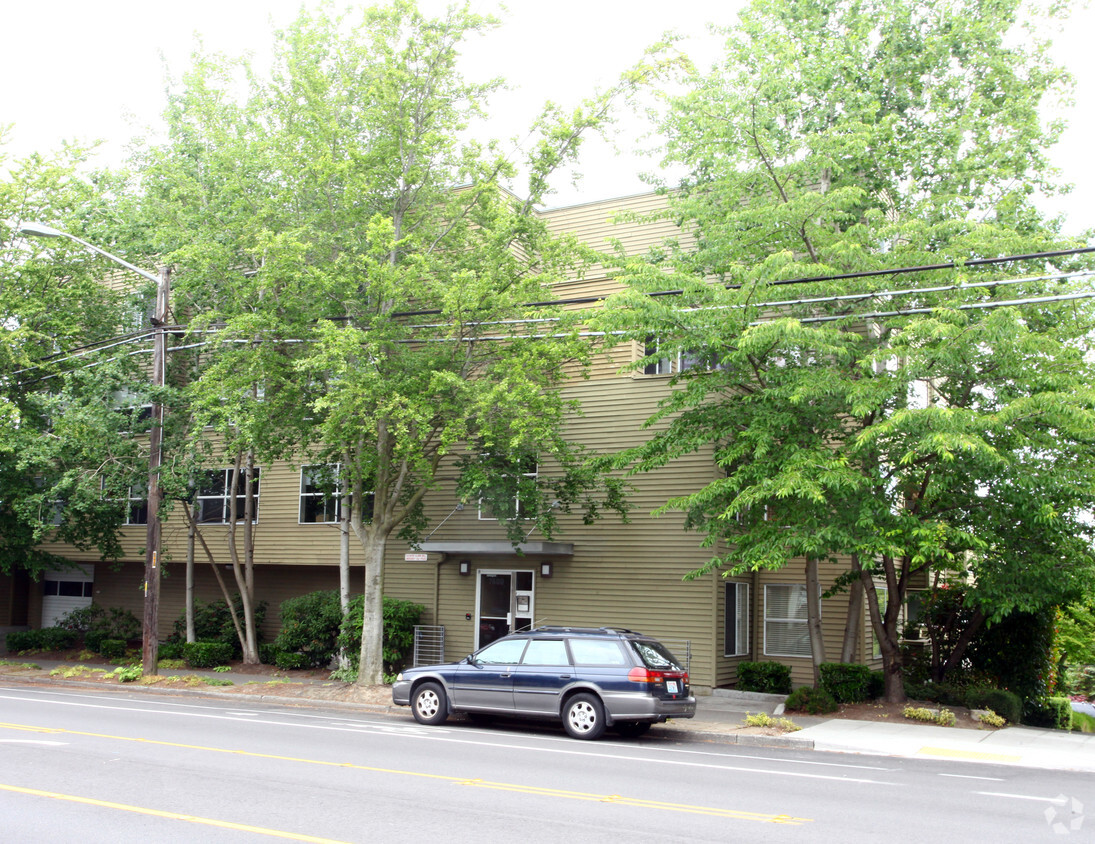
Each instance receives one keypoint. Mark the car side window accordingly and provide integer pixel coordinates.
(502, 652)
(596, 652)
(546, 652)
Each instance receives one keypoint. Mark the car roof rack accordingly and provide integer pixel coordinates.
(560, 629)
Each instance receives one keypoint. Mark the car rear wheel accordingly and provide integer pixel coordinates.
(429, 705)
(584, 717)
(631, 729)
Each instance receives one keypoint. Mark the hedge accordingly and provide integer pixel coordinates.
(768, 677)
(846, 682)
(207, 654)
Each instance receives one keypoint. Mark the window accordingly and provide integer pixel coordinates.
(546, 652)
(786, 632)
(321, 495)
(136, 511)
(736, 635)
(68, 588)
(668, 361)
(524, 470)
(505, 652)
(213, 505)
(597, 652)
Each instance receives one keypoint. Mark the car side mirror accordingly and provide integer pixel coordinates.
(469, 660)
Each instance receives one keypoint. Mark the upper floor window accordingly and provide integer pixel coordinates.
(136, 509)
(524, 469)
(321, 494)
(664, 360)
(215, 494)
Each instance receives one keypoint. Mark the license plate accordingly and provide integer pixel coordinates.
(672, 687)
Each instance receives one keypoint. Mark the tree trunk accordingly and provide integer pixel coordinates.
(190, 531)
(885, 629)
(813, 616)
(371, 668)
(853, 623)
(344, 573)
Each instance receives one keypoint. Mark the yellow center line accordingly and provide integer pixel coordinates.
(476, 783)
(175, 816)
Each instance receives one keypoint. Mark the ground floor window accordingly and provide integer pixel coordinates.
(736, 637)
(786, 632)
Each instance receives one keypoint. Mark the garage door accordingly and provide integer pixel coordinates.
(65, 591)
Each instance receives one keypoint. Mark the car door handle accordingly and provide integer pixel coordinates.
(564, 676)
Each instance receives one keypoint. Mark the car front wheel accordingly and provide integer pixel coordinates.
(584, 717)
(429, 705)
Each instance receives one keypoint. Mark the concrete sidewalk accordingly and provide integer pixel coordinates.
(719, 719)
(1023, 746)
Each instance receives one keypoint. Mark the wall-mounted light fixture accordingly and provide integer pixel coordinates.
(465, 567)
(545, 569)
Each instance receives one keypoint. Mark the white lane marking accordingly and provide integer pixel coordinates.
(1059, 800)
(440, 734)
(33, 741)
(971, 777)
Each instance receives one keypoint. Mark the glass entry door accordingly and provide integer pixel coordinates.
(504, 604)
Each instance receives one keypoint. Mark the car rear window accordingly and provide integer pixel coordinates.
(596, 652)
(655, 656)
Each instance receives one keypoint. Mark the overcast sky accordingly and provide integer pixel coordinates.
(85, 70)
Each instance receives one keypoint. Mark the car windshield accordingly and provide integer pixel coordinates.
(655, 656)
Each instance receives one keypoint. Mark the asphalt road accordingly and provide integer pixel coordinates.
(91, 767)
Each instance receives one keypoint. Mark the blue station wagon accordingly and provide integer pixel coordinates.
(590, 679)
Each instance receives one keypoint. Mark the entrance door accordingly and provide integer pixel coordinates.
(504, 604)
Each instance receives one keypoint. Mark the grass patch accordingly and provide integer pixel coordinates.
(218, 681)
(27, 665)
(77, 672)
(1083, 723)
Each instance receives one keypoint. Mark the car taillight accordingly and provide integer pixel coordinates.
(645, 675)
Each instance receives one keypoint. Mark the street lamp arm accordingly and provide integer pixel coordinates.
(40, 230)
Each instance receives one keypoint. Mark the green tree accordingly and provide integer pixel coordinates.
(933, 428)
(363, 272)
(66, 463)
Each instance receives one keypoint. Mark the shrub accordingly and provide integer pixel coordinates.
(97, 623)
(45, 639)
(290, 661)
(942, 717)
(213, 623)
(763, 719)
(310, 626)
(876, 686)
(207, 654)
(1004, 703)
(171, 651)
(128, 673)
(1052, 712)
(400, 617)
(170, 664)
(767, 677)
(992, 719)
(846, 682)
(112, 648)
(811, 701)
(268, 654)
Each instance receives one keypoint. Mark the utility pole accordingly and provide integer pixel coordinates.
(152, 564)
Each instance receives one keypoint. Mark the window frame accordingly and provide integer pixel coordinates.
(517, 513)
(226, 480)
(739, 625)
(787, 620)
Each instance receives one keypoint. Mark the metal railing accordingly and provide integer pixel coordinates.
(429, 644)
